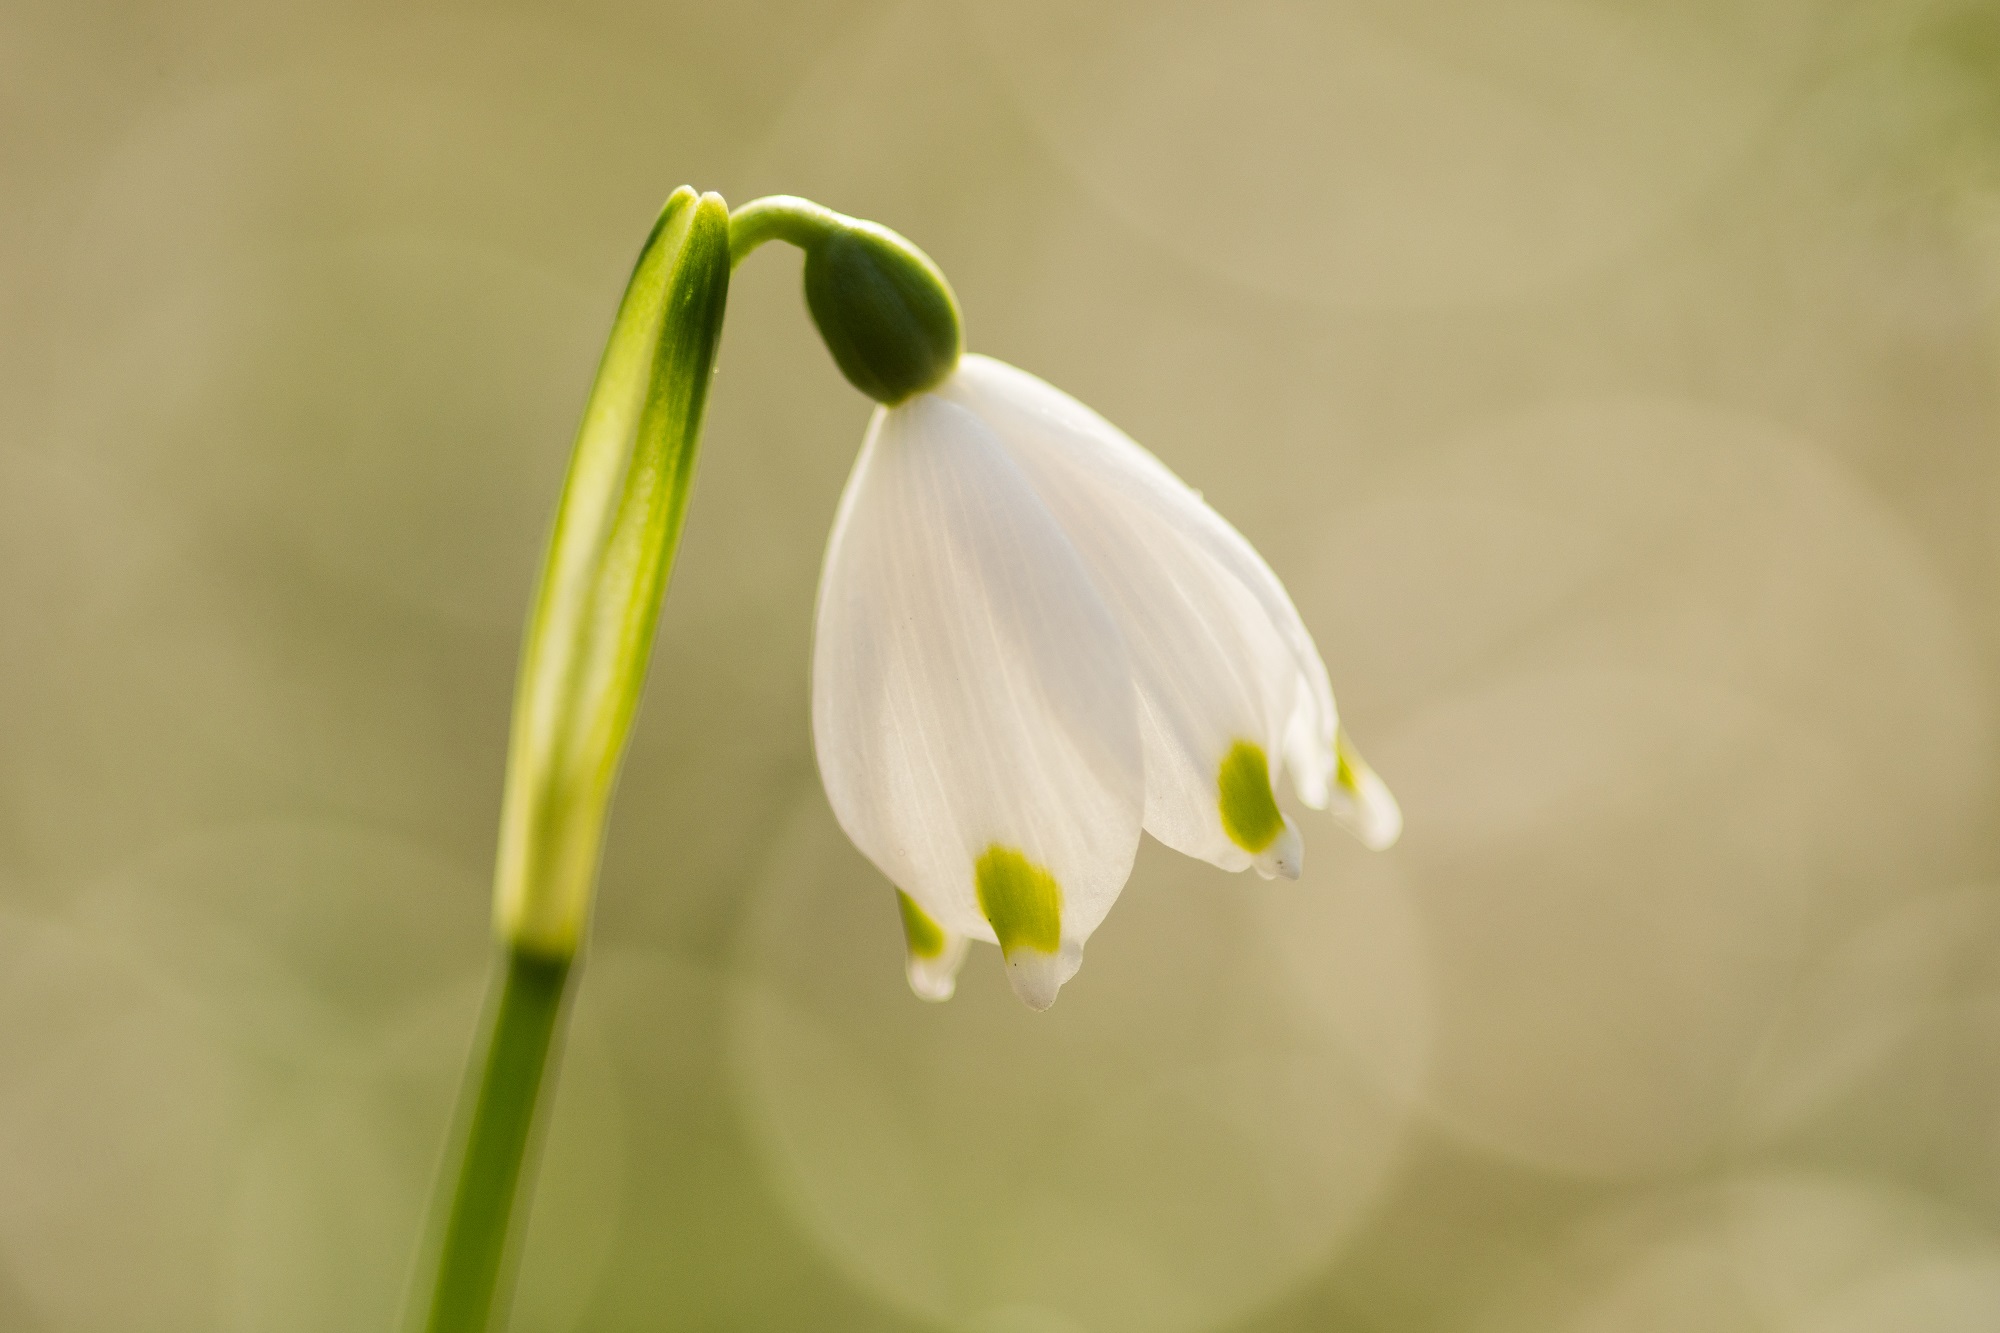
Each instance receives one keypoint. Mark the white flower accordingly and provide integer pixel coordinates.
(1033, 640)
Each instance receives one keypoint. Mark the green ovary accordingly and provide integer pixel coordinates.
(1249, 812)
(1021, 900)
(924, 936)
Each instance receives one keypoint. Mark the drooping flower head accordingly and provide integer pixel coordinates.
(1034, 641)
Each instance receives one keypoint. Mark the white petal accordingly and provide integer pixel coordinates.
(972, 699)
(936, 979)
(1037, 976)
(1285, 857)
(932, 955)
(1363, 801)
(1219, 654)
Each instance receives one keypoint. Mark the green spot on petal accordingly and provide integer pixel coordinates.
(1021, 900)
(1343, 764)
(1249, 812)
(924, 936)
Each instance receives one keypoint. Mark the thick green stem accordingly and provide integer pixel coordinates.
(521, 1050)
(582, 666)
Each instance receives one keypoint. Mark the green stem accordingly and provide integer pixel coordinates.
(583, 663)
(781, 217)
(520, 1051)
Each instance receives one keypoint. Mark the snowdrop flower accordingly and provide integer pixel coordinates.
(1034, 641)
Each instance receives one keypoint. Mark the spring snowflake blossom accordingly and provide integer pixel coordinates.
(1033, 641)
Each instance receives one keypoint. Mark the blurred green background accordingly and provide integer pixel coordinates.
(1615, 385)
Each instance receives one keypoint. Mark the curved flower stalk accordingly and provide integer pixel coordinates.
(1033, 641)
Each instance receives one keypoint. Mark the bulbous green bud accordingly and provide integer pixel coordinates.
(886, 312)
(883, 308)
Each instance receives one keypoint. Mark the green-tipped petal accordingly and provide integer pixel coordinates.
(970, 692)
(1250, 814)
(1361, 800)
(1024, 904)
(932, 954)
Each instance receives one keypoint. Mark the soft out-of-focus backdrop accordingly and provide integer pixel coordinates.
(1616, 385)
